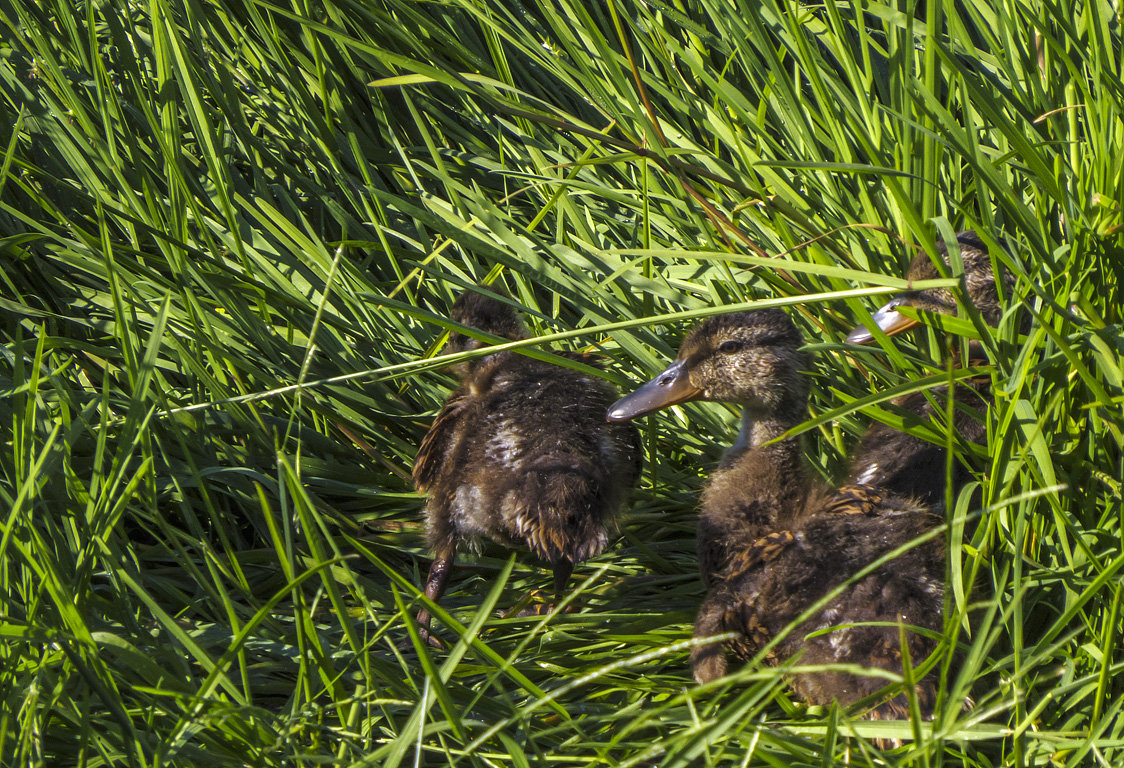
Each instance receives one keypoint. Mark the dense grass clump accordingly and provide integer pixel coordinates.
(229, 230)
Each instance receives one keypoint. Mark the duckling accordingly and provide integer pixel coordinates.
(521, 454)
(771, 544)
(891, 460)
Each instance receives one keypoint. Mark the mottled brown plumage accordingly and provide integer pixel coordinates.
(896, 461)
(771, 545)
(521, 454)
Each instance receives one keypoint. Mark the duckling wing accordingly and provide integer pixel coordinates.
(771, 583)
(852, 499)
(439, 442)
(747, 575)
(759, 554)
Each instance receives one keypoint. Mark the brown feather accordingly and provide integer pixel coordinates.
(521, 453)
(439, 441)
(771, 545)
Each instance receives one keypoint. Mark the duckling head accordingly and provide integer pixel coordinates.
(484, 314)
(752, 359)
(979, 288)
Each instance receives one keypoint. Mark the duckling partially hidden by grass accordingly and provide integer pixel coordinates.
(521, 454)
(908, 465)
(771, 545)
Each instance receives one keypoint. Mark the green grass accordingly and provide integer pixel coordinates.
(228, 232)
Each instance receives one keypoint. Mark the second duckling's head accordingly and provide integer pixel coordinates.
(979, 289)
(752, 359)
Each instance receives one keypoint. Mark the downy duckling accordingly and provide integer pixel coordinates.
(771, 544)
(895, 461)
(521, 454)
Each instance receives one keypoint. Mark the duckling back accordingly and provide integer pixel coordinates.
(910, 466)
(521, 453)
(770, 585)
(528, 459)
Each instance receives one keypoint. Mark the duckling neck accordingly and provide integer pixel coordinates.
(755, 431)
(760, 487)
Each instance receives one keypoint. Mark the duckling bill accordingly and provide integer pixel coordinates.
(771, 543)
(521, 454)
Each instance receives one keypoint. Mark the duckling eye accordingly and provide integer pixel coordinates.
(728, 347)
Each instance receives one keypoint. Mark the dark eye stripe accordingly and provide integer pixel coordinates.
(737, 345)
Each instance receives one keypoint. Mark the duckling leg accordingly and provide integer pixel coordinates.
(708, 662)
(435, 585)
(895, 709)
(563, 569)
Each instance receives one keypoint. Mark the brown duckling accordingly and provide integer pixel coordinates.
(521, 454)
(895, 461)
(771, 545)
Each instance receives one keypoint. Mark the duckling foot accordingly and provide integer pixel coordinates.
(708, 662)
(888, 710)
(435, 585)
(536, 603)
(427, 636)
(433, 640)
(886, 744)
(542, 609)
(426, 633)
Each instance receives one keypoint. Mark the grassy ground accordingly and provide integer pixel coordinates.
(228, 231)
